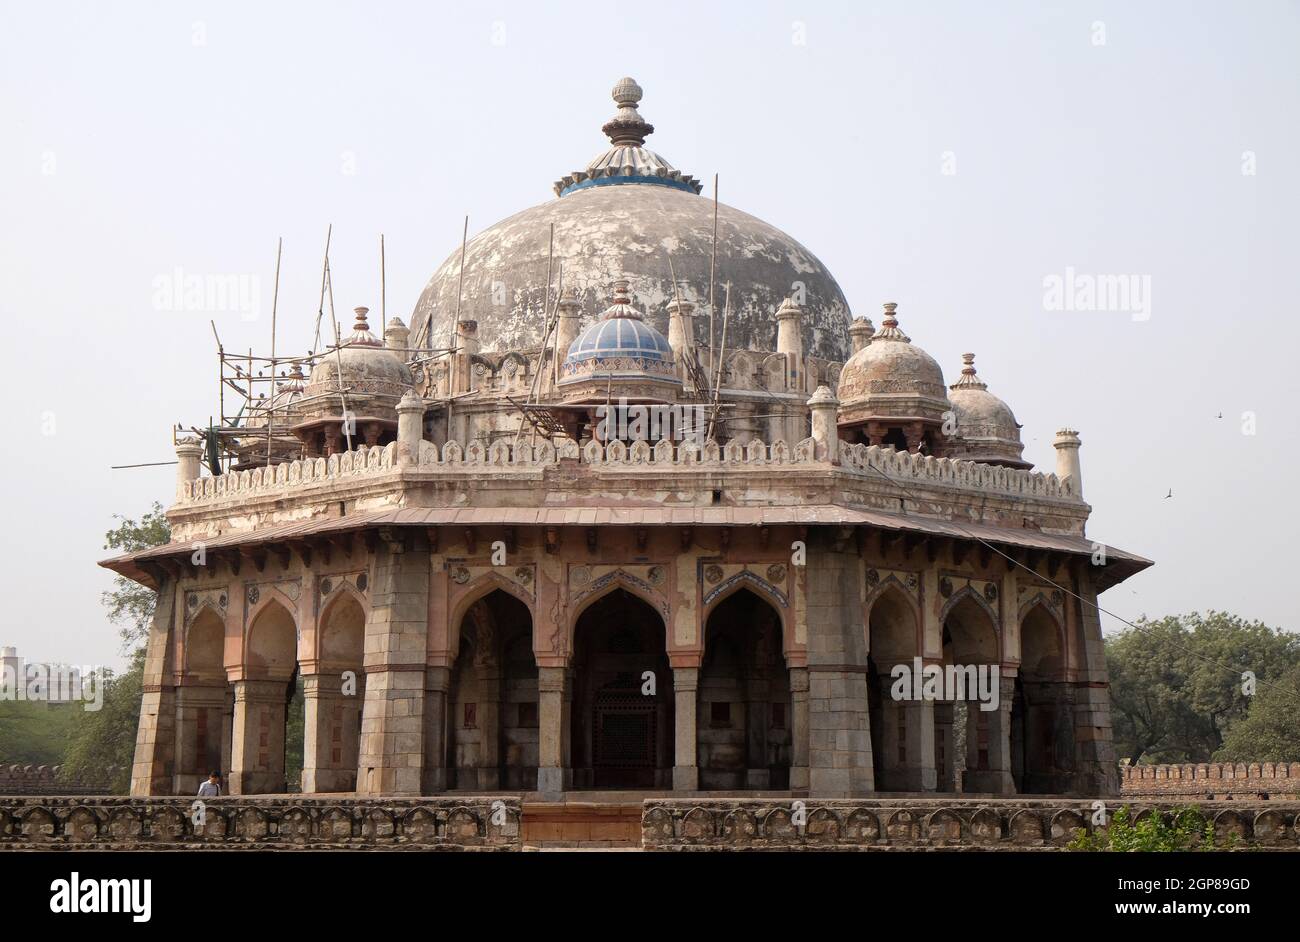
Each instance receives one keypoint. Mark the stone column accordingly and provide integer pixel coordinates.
(919, 773)
(489, 727)
(1067, 459)
(195, 707)
(330, 736)
(437, 683)
(757, 708)
(553, 692)
(686, 687)
(944, 758)
(1094, 748)
(996, 778)
(839, 731)
(257, 760)
(566, 329)
(789, 340)
(410, 428)
(799, 729)
(681, 335)
(392, 725)
(189, 454)
(860, 332)
(824, 407)
(155, 742)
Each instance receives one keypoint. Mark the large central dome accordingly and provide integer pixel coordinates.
(621, 218)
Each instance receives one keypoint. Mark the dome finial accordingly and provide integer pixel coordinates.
(889, 326)
(627, 127)
(969, 379)
(620, 302)
(361, 335)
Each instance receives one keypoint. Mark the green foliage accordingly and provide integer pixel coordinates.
(294, 733)
(131, 605)
(1179, 829)
(34, 733)
(1176, 683)
(105, 738)
(1270, 731)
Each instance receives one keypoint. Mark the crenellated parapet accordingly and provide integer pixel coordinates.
(505, 455)
(1212, 778)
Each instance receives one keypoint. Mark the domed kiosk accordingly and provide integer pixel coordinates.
(502, 541)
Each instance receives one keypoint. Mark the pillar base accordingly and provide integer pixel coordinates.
(799, 778)
(686, 778)
(553, 782)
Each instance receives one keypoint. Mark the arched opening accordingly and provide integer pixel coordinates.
(267, 753)
(1042, 733)
(743, 715)
(205, 704)
(970, 651)
(891, 629)
(334, 696)
(493, 714)
(622, 718)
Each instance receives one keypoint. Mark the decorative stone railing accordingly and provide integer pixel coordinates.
(1212, 778)
(469, 823)
(504, 454)
(902, 824)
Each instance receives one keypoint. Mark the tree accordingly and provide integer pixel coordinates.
(105, 739)
(131, 605)
(1177, 683)
(101, 747)
(1269, 733)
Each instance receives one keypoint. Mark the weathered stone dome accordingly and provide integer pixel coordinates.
(373, 376)
(892, 377)
(987, 429)
(621, 217)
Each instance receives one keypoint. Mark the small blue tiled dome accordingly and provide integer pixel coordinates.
(620, 337)
(619, 343)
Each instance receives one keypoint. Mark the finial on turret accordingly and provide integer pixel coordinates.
(627, 127)
(968, 379)
(361, 335)
(861, 332)
(889, 329)
(620, 303)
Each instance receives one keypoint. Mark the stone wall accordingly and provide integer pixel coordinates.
(45, 780)
(913, 825)
(71, 823)
(1220, 779)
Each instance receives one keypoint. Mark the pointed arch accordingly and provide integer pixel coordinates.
(1042, 640)
(205, 646)
(891, 592)
(603, 586)
(966, 592)
(769, 593)
(480, 588)
(271, 644)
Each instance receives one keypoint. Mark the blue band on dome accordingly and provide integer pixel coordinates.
(635, 178)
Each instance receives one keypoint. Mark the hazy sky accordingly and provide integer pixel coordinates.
(947, 156)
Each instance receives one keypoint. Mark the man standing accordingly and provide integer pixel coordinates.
(212, 787)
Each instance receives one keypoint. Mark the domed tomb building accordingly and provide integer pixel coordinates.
(569, 533)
